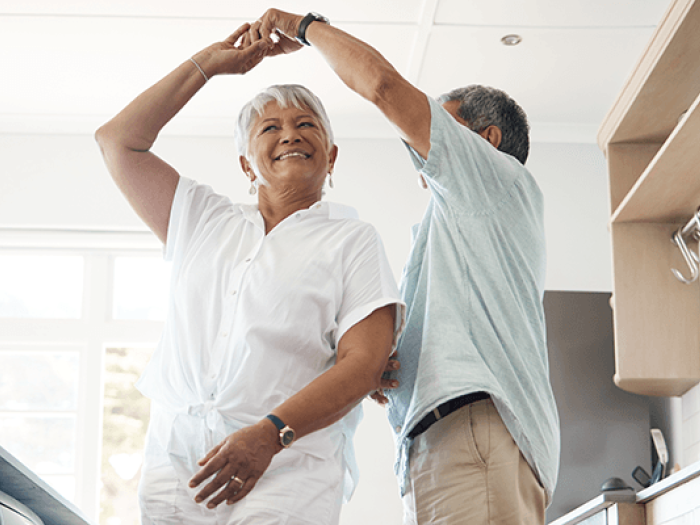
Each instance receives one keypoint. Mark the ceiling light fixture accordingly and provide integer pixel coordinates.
(511, 40)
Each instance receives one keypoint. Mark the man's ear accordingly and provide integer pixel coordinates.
(247, 168)
(492, 134)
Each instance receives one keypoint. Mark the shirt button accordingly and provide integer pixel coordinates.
(247, 260)
(397, 428)
(224, 334)
(298, 215)
(234, 292)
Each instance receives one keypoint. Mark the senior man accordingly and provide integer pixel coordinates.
(475, 421)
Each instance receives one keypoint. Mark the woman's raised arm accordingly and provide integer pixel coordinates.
(146, 181)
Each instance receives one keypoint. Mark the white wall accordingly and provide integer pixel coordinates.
(574, 178)
(691, 427)
(60, 181)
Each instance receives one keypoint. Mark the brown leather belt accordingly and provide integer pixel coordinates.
(445, 409)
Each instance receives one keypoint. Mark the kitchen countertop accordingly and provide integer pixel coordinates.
(674, 480)
(602, 502)
(608, 499)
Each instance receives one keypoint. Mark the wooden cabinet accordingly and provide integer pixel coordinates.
(651, 139)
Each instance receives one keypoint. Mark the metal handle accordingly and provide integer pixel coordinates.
(692, 259)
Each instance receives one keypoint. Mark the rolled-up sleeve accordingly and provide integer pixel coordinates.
(368, 284)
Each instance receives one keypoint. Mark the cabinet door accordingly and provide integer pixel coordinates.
(657, 339)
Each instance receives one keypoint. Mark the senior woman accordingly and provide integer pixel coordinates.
(282, 314)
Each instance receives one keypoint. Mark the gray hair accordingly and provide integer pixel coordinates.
(285, 95)
(482, 106)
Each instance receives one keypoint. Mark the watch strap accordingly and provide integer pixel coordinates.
(277, 421)
(304, 25)
(286, 434)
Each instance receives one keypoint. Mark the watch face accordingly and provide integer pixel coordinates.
(287, 437)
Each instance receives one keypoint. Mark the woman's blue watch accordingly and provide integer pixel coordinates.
(286, 434)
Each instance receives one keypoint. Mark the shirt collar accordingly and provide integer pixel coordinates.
(337, 211)
(252, 214)
(332, 210)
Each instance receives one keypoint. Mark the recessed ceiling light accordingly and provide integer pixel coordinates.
(511, 40)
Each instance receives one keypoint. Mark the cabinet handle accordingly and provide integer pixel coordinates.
(692, 259)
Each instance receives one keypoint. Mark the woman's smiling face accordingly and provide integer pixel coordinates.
(289, 147)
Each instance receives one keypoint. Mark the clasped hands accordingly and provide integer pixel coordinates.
(273, 34)
(277, 29)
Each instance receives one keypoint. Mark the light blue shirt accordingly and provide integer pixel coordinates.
(473, 287)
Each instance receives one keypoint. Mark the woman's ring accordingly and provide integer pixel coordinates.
(239, 481)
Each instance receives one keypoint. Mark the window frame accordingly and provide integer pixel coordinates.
(90, 335)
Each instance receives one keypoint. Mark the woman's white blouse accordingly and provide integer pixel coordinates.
(254, 318)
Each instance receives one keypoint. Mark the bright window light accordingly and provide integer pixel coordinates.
(38, 413)
(39, 381)
(45, 443)
(141, 287)
(125, 421)
(41, 286)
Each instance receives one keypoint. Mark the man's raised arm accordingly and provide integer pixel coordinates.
(363, 69)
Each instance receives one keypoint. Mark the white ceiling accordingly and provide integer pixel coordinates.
(68, 65)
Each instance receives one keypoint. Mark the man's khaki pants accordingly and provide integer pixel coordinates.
(466, 469)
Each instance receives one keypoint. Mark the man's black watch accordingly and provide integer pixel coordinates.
(303, 26)
(286, 434)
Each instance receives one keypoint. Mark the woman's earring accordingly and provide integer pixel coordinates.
(330, 179)
(253, 190)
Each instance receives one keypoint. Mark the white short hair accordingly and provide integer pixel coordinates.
(285, 95)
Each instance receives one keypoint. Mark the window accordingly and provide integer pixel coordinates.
(41, 286)
(140, 288)
(38, 411)
(69, 357)
(80, 314)
(125, 420)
